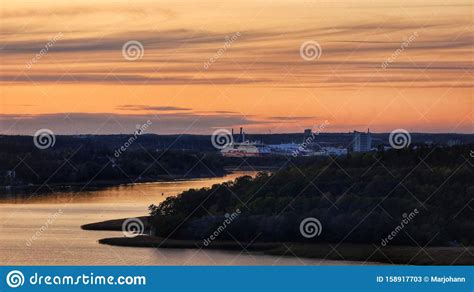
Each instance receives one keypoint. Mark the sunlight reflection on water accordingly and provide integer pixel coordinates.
(31, 235)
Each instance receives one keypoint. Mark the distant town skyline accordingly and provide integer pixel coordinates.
(268, 66)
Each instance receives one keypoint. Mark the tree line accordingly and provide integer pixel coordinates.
(361, 198)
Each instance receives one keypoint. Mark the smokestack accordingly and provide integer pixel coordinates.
(232, 132)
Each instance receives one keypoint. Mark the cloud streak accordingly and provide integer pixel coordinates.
(110, 123)
(134, 107)
(345, 48)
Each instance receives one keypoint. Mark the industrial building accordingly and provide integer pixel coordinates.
(362, 141)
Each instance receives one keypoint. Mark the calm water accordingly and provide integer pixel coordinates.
(45, 230)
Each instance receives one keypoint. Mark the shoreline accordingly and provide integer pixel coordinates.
(122, 182)
(146, 241)
(107, 183)
(398, 255)
(113, 225)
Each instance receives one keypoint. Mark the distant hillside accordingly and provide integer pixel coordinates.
(91, 158)
(203, 142)
(90, 162)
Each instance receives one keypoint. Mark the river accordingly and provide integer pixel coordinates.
(45, 230)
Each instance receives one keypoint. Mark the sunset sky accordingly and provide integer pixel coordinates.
(222, 64)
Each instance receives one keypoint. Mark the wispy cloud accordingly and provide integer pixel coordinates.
(110, 123)
(354, 50)
(125, 79)
(134, 107)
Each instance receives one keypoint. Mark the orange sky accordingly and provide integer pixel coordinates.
(221, 64)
